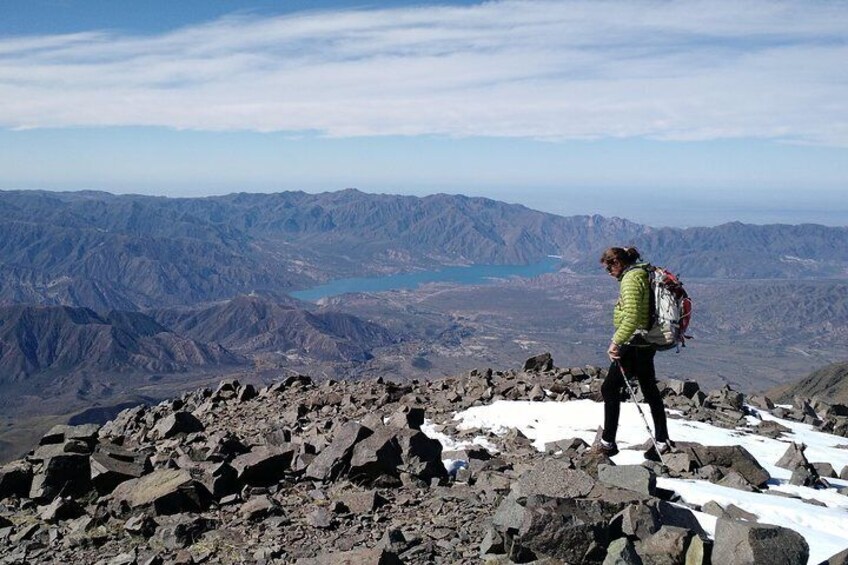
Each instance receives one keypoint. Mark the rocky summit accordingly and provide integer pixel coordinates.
(347, 472)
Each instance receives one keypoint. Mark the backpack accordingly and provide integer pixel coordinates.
(671, 310)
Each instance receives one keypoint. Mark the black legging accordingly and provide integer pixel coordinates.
(637, 362)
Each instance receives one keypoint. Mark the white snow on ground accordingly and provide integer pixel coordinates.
(448, 443)
(825, 528)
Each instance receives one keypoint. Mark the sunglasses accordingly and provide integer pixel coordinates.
(609, 267)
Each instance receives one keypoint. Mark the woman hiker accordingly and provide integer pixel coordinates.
(628, 351)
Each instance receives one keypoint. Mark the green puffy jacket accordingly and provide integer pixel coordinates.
(632, 311)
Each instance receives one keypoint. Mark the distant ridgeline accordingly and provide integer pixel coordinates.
(132, 252)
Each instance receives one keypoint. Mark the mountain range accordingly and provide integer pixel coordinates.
(104, 251)
(62, 339)
(828, 383)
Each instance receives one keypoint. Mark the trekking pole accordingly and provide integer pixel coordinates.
(639, 408)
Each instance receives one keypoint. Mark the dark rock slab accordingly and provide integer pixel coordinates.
(407, 417)
(320, 518)
(181, 422)
(738, 542)
(111, 465)
(182, 530)
(539, 363)
(220, 479)
(264, 466)
(15, 479)
(554, 478)
(335, 458)
(733, 457)
(636, 521)
(421, 456)
(631, 477)
(62, 508)
(167, 491)
(622, 552)
(62, 433)
(377, 455)
(141, 525)
(666, 547)
(362, 502)
(259, 507)
(824, 469)
(566, 529)
(68, 474)
(840, 558)
(793, 457)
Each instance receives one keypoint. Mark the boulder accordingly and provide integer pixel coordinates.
(320, 518)
(509, 515)
(62, 508)
(182, 530)
(68, 474)
(566, 529)
(637, 520)
(699, 552)
(571, 445)
(181, 422)
(824, 469)
(62, 433)
(539, 363)
(141, 525)
(761, 401)
(793, 457)
(771, 429)
(537, 393)
(803, 476)
(840, 558)
(227, 446)
(665, 547)
(492, 544)
(335, 458)
(407, 417)
(247, 392)
(377, 455)
(259, 507)
(421, 456)
(44, 452)
(554, 478)
(622, 552)
(679, 462)
(111, 465)
(744, 543)
(683, 388)
(264, 466)
(732, 479)
(733, 457)
(631, 477)
(362, 502)
(220, 479)
(15, 479)
(168, 491)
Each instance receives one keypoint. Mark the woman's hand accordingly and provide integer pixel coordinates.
(614, 351)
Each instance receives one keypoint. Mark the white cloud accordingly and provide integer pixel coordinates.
(552, 70)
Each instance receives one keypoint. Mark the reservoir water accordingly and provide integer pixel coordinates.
(474, 274)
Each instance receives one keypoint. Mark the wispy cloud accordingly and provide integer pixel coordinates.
(689, 70)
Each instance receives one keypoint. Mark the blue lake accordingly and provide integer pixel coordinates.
(474, 274)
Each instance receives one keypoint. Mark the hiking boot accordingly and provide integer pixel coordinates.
(605, 448)
(663, 447)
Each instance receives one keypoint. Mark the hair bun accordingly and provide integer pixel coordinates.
(632, 254)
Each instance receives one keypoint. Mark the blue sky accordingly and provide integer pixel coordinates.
(669, 113)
